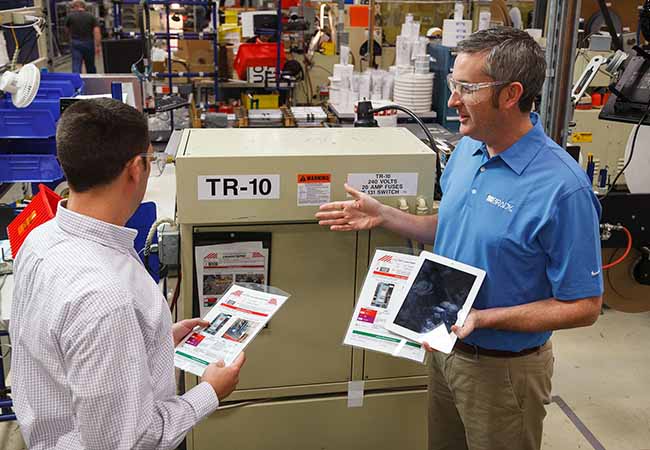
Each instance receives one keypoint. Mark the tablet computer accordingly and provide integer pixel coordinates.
(439, 293)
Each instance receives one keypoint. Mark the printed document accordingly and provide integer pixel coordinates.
(386, 281)
(220, 266)
(234, 321)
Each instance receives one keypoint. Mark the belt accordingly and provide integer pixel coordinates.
(474, 350)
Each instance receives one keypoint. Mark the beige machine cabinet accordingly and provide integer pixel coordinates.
(605, 139)
(236, 163)
(293, 388)
(303, 340)
(386, 421)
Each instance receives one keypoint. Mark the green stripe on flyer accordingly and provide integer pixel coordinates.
(386, 338)
(376, 336)
(193, 358)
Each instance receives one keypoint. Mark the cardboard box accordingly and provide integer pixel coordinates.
(200, 57)
(226, 63)
(195, 52)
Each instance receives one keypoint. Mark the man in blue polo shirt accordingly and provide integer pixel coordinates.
(516, 205)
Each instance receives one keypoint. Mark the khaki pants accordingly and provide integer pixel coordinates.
(487, 403)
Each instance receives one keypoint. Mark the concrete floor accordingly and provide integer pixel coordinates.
(602, 374)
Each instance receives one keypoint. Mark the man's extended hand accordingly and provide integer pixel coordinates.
(224, 379)
(471, 323)
(361, 213)
(182, 328)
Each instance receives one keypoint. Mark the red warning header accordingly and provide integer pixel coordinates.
(314, 178)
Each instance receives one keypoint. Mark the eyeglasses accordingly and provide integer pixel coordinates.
(158, 161)
(469, 92)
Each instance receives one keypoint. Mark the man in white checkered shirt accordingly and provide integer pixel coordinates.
(91, 332)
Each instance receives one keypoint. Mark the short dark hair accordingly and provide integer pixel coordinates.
(96, 138)
(512, 55)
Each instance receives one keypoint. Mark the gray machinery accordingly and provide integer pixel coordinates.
(238, 185)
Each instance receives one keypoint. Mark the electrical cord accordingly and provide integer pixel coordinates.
(177, 293)
(14, 58)
(432, 143)
(152, 232)
(608, 273)
(149, 240)
(629, 159)
(611, 264)
(37, 23)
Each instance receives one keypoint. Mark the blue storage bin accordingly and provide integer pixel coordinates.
(142, 220)
(72, 78)
(27, 143)
(29, 168)
(64, 86)
(50, 92)
(26, 123)
(53, 89)
(50, 104)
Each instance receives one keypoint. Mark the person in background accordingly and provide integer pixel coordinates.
(85, 37)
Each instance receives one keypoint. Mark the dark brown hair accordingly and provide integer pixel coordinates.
(96, 138)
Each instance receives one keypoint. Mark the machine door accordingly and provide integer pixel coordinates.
(302, 344)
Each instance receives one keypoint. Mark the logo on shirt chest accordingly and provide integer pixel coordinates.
(491, 199)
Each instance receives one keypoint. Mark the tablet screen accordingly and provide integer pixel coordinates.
(435, 298)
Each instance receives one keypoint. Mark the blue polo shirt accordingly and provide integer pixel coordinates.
(529, 218)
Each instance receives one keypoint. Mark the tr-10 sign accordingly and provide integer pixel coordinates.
(238, 187)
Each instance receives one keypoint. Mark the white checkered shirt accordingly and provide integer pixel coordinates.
(92, 362)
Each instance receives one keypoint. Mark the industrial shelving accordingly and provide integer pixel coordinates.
(213, 35)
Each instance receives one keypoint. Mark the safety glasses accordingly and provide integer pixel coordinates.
(158, 161)
(469, 93)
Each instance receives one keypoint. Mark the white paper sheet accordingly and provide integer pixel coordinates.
(385, 282)
(235, 320)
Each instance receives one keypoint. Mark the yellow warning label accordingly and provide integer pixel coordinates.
(581, 137)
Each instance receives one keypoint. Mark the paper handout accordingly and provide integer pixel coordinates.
(386, 281)
(235, 320)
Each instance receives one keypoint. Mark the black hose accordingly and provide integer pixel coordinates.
(437, 193)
